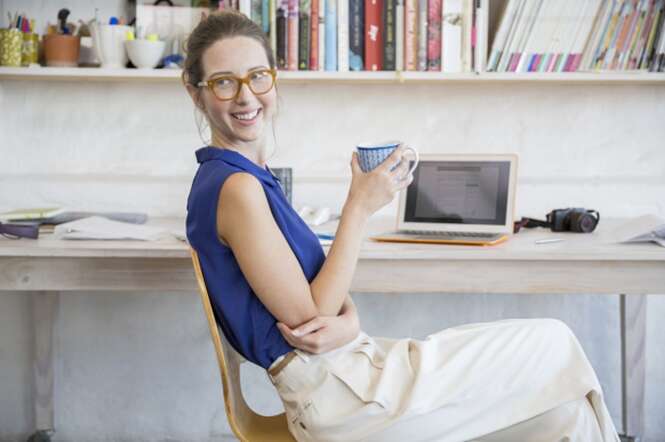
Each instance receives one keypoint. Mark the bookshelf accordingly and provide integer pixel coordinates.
(381, 77)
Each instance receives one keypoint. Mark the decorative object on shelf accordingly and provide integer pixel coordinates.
(30, 49)
(145, 54)
(11, 42)
(109, 43)
(61, 50)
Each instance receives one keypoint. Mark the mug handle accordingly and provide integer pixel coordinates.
(415, 163)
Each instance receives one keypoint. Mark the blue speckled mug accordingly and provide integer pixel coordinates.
(371, 155)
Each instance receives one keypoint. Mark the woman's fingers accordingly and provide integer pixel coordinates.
(392, 160)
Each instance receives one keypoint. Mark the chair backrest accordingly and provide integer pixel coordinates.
(245, 423)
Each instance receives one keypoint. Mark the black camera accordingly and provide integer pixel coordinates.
(573, 220)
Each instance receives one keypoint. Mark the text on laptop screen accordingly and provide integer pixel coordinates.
(462, 192)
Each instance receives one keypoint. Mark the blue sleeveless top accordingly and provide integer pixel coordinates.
(249, 327)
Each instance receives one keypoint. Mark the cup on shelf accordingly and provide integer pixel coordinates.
(145, 54)
(61, 50)
(109, 43)
(30, 49)
(11, 44)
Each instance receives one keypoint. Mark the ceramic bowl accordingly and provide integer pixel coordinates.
(145, 54)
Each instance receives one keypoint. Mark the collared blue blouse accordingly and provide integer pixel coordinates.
(249, 327)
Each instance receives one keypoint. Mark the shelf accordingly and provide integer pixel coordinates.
(381, 77)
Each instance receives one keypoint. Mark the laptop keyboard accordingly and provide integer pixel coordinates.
(451, 235)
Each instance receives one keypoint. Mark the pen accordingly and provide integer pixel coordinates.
(325, 236)
(548, 240)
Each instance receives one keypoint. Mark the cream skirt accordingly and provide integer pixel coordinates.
(513, 380)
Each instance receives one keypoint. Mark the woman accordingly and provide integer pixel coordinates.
(285, 306)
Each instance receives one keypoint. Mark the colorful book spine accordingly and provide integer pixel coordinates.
(422, 35)
(331, 35)
(653, 35)
(272, 30)
(304, 13)
(343, 35)
(373, 35)
(389, 29)
(399, 35)
(322, 34)
(434, 35)
(265, 16)
(292, 36)
(636, 56)
(410, 34)
(451, 51)
(314, 36)
(256, 11)
(281, 19)
(356, 35)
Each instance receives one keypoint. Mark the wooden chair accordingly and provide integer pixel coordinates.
(247, 425)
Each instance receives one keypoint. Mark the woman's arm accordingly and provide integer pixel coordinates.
(324, 333)
(246, 224)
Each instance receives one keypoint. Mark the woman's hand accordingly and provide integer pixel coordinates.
(323, 333)
(372, 190)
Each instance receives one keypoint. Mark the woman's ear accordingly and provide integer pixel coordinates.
(195, 94)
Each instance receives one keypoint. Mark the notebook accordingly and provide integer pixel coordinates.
(457, 199)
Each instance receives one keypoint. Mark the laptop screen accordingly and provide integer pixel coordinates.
(459, 192)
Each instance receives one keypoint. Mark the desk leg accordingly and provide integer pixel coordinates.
(633, 368)
(44, 316)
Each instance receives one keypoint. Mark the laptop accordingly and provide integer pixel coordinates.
(457, 199)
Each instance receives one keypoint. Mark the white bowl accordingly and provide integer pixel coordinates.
(145, 54)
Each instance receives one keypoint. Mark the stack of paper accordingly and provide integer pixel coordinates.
(643, 229)
(96, 227)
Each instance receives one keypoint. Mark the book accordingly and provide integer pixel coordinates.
(281, 36)
(411, 34)
(331, 35)
(481, 35)
(584, 34)
(434, 35)
(399, 35)
(314, 36)
(266, 8)
(422, 35)
(304, 8)
(451, 51)
(389, 35)
(343, 35)
(373, 35)
(501, 35)
(272, 33)
(32, 214)
(292, 35)
(356, 35)
(522, 57)
(467, 33)
(322, 34)
(256, 11)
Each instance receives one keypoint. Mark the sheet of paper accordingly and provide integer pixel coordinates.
(96, 227)
(641, 229)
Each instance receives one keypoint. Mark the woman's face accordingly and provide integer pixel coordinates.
(240, 122)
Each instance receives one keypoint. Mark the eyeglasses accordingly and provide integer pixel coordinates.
(16, 231)
(227, 87)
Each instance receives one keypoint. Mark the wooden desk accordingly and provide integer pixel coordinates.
(582, 264)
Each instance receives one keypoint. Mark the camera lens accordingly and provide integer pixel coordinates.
(583, 222)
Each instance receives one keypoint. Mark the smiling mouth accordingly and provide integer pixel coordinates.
(246, 116)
